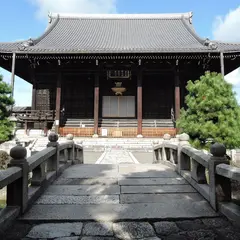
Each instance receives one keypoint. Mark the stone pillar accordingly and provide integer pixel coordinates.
(182, 160)
(219, 186)
(177, 94)
(96, 104)
(33, 80)
(58, 103)
(53, 162)
(139, 103)
(71, 151)
(17, 191)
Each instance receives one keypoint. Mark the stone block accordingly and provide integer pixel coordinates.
(55, 230)
(215, 222)
(98, 229)
(76, 200)
(166, 228)
(189, 225)
(133, 230)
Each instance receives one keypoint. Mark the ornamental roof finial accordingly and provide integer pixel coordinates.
(49, 17)
(190, 17)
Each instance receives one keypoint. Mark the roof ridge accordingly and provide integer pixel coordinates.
(187, 15)
(193, 33)
(47, 31)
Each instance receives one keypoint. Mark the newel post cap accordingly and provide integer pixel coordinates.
(69, 136)
(218, 150)
(53, 137)
(184, 137)
(18, 152)
(166, 136)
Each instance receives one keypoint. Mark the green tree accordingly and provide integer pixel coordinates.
(6, 101)
(212, 112)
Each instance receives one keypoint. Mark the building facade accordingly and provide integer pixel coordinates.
(114, 74)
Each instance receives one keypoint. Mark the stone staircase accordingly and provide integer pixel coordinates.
(120, 123)
(131, 144)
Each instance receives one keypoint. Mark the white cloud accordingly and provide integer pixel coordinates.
(226, 28)
(22, 89)
(73, 6)
(234, 77)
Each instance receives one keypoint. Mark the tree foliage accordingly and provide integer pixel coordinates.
(6, 101)
(212, 112)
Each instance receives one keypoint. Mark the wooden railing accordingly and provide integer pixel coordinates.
(35, 115)
(45, 166)
(209, 173)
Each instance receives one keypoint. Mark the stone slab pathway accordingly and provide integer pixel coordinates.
(205, 229)
(108, 192)
(116, 156)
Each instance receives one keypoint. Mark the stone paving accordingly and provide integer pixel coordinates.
(199, 229)
(116, 156)
(108, 192)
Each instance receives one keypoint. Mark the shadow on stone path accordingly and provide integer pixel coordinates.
(106, 202)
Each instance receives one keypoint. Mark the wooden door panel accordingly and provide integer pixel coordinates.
(118, 106)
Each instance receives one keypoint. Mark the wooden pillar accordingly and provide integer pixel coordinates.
(139, 103)
(222, 63)
(177, 94)
(58, 102)
(13, 73)
(96, 104)
(33, 79)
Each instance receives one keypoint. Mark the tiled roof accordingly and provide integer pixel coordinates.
(119, 33)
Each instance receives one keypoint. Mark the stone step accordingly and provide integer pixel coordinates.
(74, 190)
(158, 189)
(171, 208)
(120, 181)
(77, 200)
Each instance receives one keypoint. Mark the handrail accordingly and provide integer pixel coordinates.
(228, 171)
(45, 166)
(40, 157)
(9, 175)
(197, 155)
(204, 171)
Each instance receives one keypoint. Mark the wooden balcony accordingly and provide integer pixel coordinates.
(35, 115)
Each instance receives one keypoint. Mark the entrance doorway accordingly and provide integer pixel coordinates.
(118, 106)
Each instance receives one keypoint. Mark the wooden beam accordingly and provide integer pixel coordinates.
(96, 104)
(58, 102)
(13, 72)
(139, 103)
(33, 80)
(177, 94)
(222, 63)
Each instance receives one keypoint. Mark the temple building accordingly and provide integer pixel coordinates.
(113, 74)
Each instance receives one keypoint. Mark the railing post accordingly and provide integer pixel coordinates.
(166, 138)
(53, 162)
(220, 187)
(79, 156)
(17, 191)
(182, 161)
(156, 152)
(69, 138)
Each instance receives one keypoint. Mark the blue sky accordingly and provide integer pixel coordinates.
(22, 19)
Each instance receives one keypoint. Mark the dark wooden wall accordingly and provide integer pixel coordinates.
(46, 92)
(78, 95)
(158, 95)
